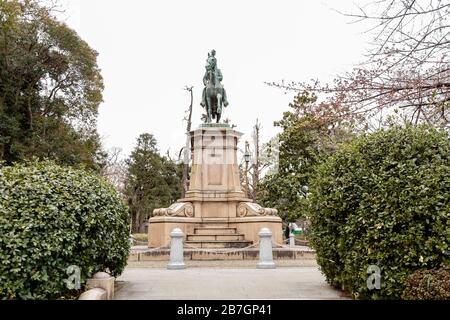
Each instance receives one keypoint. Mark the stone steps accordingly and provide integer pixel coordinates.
(215, 231)
(214, 237)
(216, 234)
(219, 244)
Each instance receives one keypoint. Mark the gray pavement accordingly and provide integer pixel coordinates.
(146, 283)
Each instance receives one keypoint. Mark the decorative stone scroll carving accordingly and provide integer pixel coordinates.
(178, 209)
(248, 209)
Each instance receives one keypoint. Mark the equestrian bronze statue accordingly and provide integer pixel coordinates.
(214, 95)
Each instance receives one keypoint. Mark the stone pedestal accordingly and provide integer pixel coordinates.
(215, 201)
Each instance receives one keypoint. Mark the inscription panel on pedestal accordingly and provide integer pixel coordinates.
(214, 174)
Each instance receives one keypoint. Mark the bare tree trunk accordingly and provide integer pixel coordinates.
(184, 180)
(137, 222)
(256, 163)
(134, 213)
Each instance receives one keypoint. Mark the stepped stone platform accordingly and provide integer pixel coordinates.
(143, 253)
(216, 237)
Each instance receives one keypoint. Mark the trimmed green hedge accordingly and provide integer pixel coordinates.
(383, 199)
(52, 217)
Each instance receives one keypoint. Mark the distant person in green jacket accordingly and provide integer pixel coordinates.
(287, 232)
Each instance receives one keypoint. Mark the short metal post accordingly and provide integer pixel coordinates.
(176, 250)
(265, 250)
(291, 240)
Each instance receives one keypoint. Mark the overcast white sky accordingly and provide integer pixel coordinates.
(149, 50)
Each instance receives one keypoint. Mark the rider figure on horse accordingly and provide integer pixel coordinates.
(212, 65)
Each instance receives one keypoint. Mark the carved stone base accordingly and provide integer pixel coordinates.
(178, 209)
(249, 209)
(215, 199)
(161, 226)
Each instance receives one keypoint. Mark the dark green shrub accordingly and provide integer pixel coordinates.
(428, 285)
(53, 217)
(383, 199)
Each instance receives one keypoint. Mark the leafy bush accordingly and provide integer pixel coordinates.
(428, 285)
(382, 200)
(53, 217)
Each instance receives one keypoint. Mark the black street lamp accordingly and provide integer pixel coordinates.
(247, 157)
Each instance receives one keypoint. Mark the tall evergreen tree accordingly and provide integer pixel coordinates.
(50, 88)
(153, 181)
(305, 139)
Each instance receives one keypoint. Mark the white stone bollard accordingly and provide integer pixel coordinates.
(265, 250)
(291, 240)
(103, 281)
(93, 294)
(176, 250)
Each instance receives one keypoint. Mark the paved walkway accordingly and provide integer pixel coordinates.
(145, 283)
